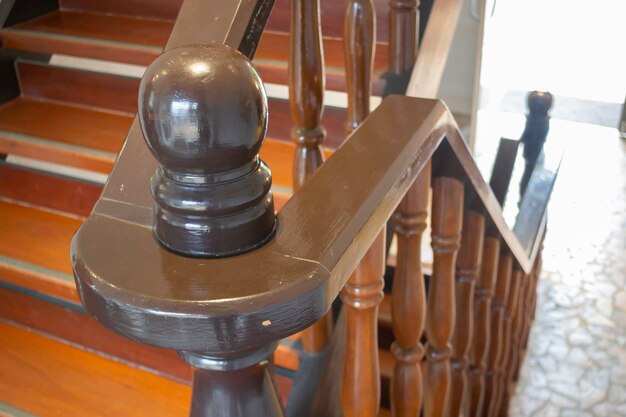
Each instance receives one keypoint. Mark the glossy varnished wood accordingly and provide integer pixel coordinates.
(496, 341)
(467, 271)
(403, 35)
(360, 387)
(55, 122)
(21, 231)
(306, 99)
(507, 341)
(408, 303)
(447, 219)
(359, 51)
(88, 88)
(48, 378)
(49, 191)
(481, 338)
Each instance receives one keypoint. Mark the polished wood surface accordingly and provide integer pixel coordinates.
(403, 35)
(516, 347)
(306, 99)
(359, 50)
(88, 88)
(21, 231)
(360, 387)
(48, 191)
(481, 339)
(447, 219)
(507, 345)
(408, 299)
(496, 342)
(49, 378)
(467, 271)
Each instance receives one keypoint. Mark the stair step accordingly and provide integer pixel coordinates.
(62, 133)
(48, 191)
(85, 88)
(49, 131)
(98, 36)
(45, 377)
(85, 126)
(153, 9)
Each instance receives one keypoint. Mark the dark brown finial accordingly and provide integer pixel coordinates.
(203, 113)
(535, 132)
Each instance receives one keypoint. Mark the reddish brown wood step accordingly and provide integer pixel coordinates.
(139, 41)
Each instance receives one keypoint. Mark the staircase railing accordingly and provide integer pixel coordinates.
(204, 267)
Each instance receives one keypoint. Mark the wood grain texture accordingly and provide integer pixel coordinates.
(447, 220)
(47, 190)
(403, 35)
(88, 88)
(21, 231)
(48, 378)
(306, 99)
(408, 299)
(467, 271)
(360, 387)
(512, 363)
(502, 368)
(496, 352)
(482, 330)
(359, 51)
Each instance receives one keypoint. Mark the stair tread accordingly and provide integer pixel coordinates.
(36, 237)
(142, 32)
(48, 378)
(97, 35)
(96, 129)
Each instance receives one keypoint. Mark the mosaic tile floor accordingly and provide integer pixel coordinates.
(576, 360)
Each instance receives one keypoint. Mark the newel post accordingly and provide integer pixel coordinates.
(203, 113)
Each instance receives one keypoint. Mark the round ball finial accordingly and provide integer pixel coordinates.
(539, 102)
(203, 113)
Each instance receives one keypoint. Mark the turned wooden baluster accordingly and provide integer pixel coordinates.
(447, 216)
(403, 35)
(359, 32)
(505, 266)
(408, 299)
(502, 371)
(516, 348)
(529, 306)
(482, 319)
(360, 385)
(306, 100)
(360, 388)
(467, 269)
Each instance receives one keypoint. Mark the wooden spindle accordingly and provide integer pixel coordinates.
(467, 269)
(447, 216)
(408, 299)
(360, 385)
(482, 320)
(516, 347)
(306, 100)
(359, 32)
(502, 371)
(505, 266)
(403, 35)
(360, 388)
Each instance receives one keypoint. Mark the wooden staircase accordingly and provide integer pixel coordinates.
(77, 69)
(71, 117)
